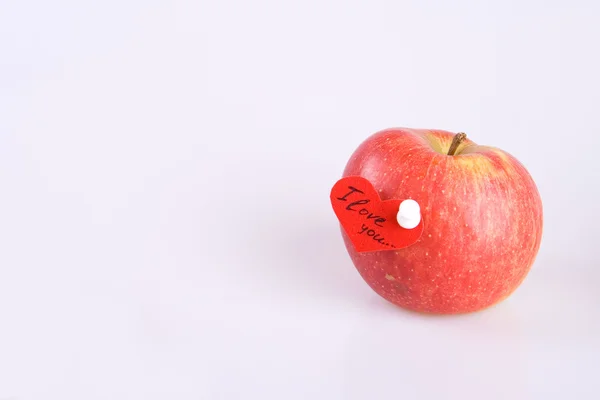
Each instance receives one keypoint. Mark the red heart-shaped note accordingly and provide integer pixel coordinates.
(369, 222)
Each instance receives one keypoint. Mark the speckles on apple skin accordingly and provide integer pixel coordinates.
(389, 277)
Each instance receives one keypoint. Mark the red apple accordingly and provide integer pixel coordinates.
(482, 217)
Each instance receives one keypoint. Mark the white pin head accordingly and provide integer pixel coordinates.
(409, 214)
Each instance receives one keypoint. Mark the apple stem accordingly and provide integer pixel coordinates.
(458, 139)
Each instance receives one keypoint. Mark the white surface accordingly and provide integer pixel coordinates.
(164, 217)
(409, 214)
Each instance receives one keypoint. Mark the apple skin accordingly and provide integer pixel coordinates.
(482, 213)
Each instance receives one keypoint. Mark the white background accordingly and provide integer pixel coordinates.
(165, 167)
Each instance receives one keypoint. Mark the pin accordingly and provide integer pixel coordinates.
(409, 214)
